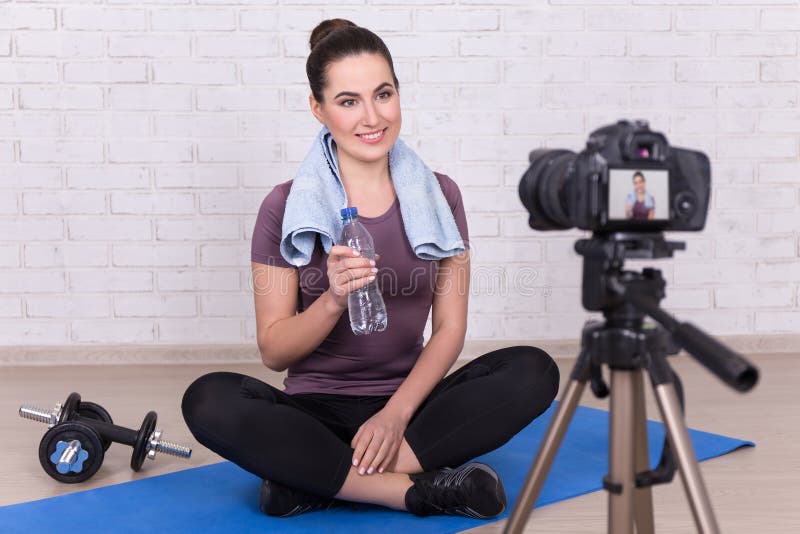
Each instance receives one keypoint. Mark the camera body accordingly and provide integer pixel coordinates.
(627, 179)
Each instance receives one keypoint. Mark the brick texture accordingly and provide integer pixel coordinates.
(137, 141)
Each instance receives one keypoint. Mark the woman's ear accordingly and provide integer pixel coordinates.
(315, 108)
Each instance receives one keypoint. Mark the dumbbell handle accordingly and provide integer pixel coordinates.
(120, 434)
(108, 431)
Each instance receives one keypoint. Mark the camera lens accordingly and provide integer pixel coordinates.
(543, 189)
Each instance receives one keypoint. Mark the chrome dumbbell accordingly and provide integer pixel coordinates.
(72, 449)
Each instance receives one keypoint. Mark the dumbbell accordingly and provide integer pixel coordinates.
(80, 432)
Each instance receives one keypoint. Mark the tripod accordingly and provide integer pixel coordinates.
(629, 347)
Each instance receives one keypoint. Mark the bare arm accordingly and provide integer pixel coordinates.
(285, 336)
(628, 211)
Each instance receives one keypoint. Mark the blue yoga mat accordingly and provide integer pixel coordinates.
(223, 498)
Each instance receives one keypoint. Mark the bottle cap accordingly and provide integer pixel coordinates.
(348, 212)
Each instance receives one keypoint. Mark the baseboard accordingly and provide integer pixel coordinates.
(749, 345)
(127, 354)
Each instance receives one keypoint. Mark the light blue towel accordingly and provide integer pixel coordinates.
(317, 195)
(649, 202)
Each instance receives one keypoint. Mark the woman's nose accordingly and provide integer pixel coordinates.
(370, 114)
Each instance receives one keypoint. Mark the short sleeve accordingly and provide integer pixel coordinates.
(453, 196)
(266, 244)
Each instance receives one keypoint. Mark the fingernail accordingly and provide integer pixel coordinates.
(372, 262)
(361, 471)
(371, 278)
(370, 471)
(356, 253)
(355, 462)
(374, 269)
(380, 470)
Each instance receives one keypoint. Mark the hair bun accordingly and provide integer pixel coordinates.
(325, 28)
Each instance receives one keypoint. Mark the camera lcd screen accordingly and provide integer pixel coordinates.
(638, 195)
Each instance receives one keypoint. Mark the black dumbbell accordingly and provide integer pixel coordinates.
(146, 442)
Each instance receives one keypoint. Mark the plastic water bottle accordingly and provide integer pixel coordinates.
(365, 305)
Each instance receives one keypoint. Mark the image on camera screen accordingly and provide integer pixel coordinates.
(638, 194)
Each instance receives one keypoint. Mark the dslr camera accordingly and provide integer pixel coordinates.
(627, 179)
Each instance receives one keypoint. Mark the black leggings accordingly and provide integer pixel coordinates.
(303, 440)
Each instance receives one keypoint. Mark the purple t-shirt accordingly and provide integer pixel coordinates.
(640, 210)
(378, 363)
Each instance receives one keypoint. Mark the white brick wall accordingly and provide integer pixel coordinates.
(137, 141)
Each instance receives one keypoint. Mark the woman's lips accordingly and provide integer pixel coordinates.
(372, 141)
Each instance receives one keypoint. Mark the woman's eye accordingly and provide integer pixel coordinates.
(351, 102)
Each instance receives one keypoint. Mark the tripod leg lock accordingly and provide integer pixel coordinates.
(613, 487)
(662, 373)
(663, 474)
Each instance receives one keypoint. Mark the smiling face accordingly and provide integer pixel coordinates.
(361, 107)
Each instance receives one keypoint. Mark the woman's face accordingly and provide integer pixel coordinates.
(638, 184)
(360, 100)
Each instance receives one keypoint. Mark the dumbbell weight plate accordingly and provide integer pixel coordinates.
(140, 447)
(91, 410)
(70, 406)
(67, 432)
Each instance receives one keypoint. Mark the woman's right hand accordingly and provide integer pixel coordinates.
(348, 271)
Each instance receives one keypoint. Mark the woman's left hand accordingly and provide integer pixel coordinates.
(377, 441)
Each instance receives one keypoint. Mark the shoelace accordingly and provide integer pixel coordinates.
(445, 491)
(452, 477)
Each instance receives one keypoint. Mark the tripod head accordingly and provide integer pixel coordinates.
(604, 258)
(626, 297)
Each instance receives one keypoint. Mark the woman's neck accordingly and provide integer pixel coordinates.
(361, 175)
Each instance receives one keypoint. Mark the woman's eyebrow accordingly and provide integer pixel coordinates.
(350, 93)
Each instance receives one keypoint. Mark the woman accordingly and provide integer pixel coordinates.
(368, 418)
(639, 204)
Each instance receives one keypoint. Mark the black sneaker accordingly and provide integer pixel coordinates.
(472, 490)
(282, 501)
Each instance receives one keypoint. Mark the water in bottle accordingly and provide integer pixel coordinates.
(365, 305)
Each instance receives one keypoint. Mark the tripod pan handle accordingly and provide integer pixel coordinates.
(729, 366)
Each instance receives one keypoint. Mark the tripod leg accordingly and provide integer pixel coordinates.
(681, 444)
(549, 446)
(622, 476)
(643, 499)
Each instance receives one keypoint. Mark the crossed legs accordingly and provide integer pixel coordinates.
(472, 411)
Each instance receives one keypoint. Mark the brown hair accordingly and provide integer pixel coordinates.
(334, 39)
